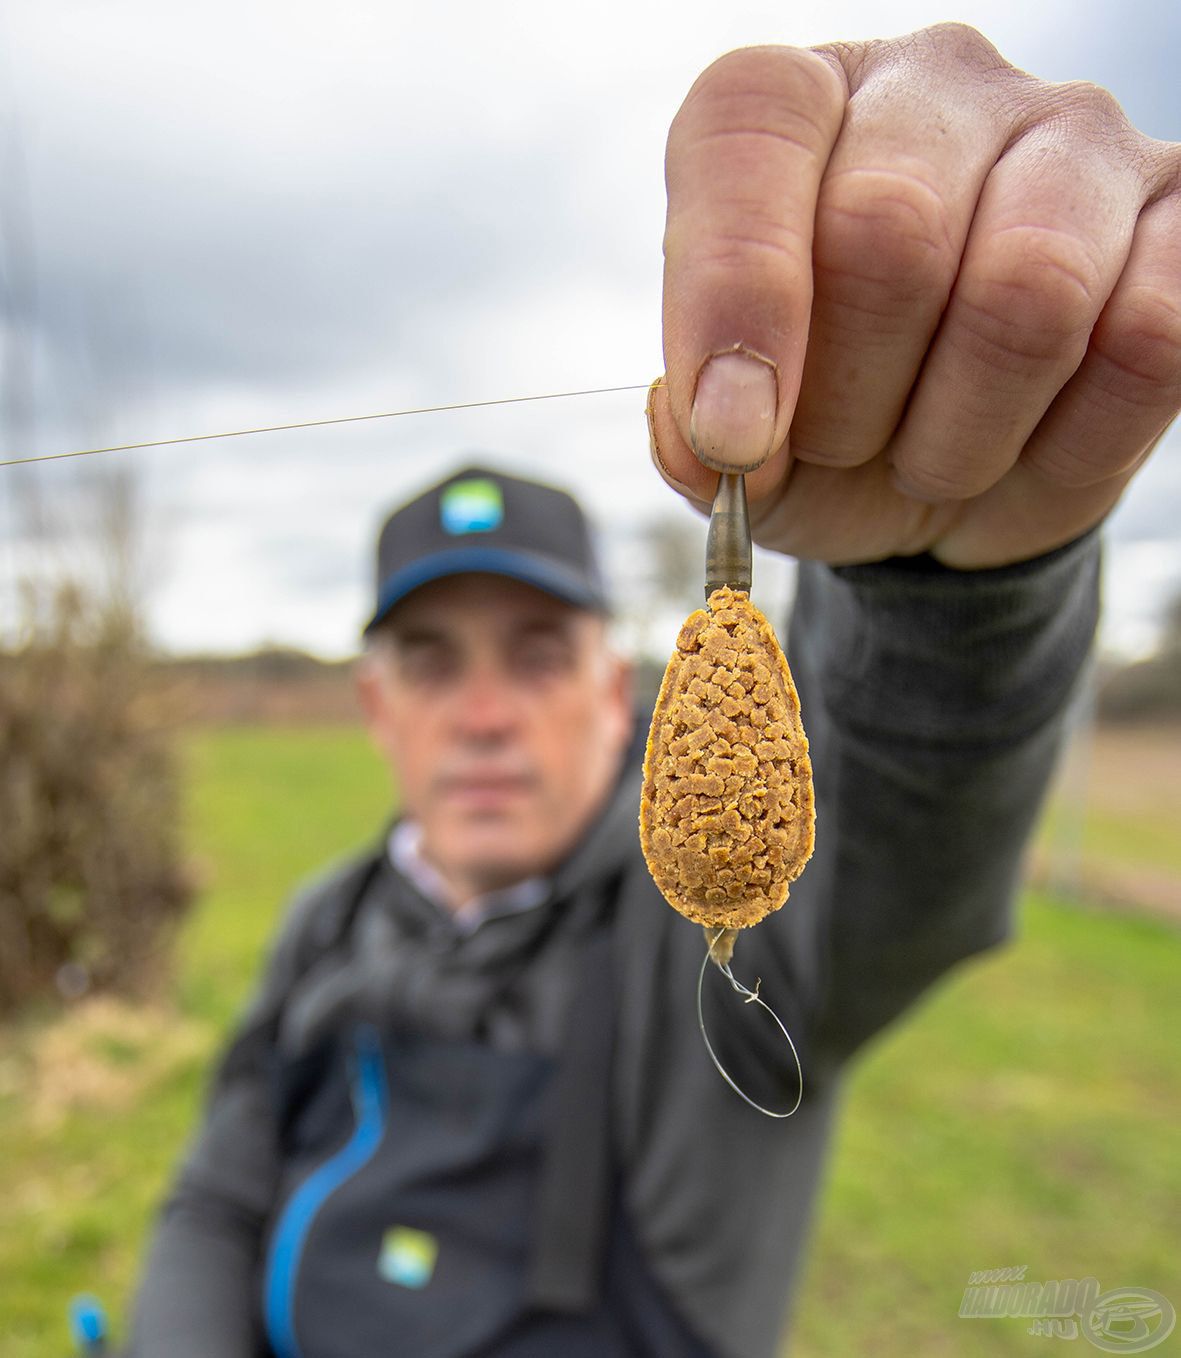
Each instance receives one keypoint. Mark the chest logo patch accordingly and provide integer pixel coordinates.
(407, 1256)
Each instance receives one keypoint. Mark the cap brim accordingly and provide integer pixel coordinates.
(542, 572)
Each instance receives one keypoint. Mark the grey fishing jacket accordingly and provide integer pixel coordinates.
(934, 702)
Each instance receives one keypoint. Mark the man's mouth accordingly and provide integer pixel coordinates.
(486, 791)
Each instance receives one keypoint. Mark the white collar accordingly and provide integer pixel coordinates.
(405, 850)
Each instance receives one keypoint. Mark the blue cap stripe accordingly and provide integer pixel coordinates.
(523, 566)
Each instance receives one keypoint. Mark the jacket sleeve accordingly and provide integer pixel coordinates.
(935, 702)
(197, 1295)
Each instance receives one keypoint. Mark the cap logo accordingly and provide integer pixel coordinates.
(472, 506)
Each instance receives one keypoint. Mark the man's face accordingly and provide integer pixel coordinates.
(503, 715)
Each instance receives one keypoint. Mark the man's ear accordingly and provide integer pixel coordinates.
(371, 678)
(370, 684)
(623, 688)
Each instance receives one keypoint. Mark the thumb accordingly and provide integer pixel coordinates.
(746, 154)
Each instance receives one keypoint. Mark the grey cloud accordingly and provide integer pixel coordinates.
(285, 281)
(174, 271)
(196, 264)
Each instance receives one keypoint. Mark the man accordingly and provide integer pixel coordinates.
(489, 685)
(930, 304)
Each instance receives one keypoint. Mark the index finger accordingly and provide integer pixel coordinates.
(746, 154)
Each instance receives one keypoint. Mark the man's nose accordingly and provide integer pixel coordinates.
(486, 705)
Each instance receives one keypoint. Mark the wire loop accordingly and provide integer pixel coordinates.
(749, 997)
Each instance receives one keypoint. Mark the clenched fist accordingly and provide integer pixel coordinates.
(934, 301)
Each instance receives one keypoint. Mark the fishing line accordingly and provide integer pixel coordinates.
(315, 424)
(749, 997)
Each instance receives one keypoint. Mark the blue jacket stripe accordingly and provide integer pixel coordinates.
(370, 1093)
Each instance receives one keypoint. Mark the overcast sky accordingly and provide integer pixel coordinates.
(241, 214)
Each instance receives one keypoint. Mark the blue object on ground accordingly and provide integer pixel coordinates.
(88, 1324)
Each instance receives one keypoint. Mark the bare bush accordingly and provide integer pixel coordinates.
(90, 879)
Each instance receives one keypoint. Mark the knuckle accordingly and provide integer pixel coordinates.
(949, 50)
(962, 44)
(833, 448)
(945, 54)
(1086, 123)
(1140, 336)
(1166, 171)
(938, 480)
(1033, 291)
(785, 93)
(888, 233)
(762, 249)
(1084, 99)
(1074, 463)
(1090, 121)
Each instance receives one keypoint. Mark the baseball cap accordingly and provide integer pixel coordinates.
(480, 519)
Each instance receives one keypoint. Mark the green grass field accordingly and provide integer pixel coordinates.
(1026, 1115)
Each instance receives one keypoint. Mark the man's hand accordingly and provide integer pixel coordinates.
(935, 301)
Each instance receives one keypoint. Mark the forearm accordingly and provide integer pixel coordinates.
(936, 702)
(197, 1296)
(198, 1292)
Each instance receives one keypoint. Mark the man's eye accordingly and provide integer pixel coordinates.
(426, 664)
(541, 656)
